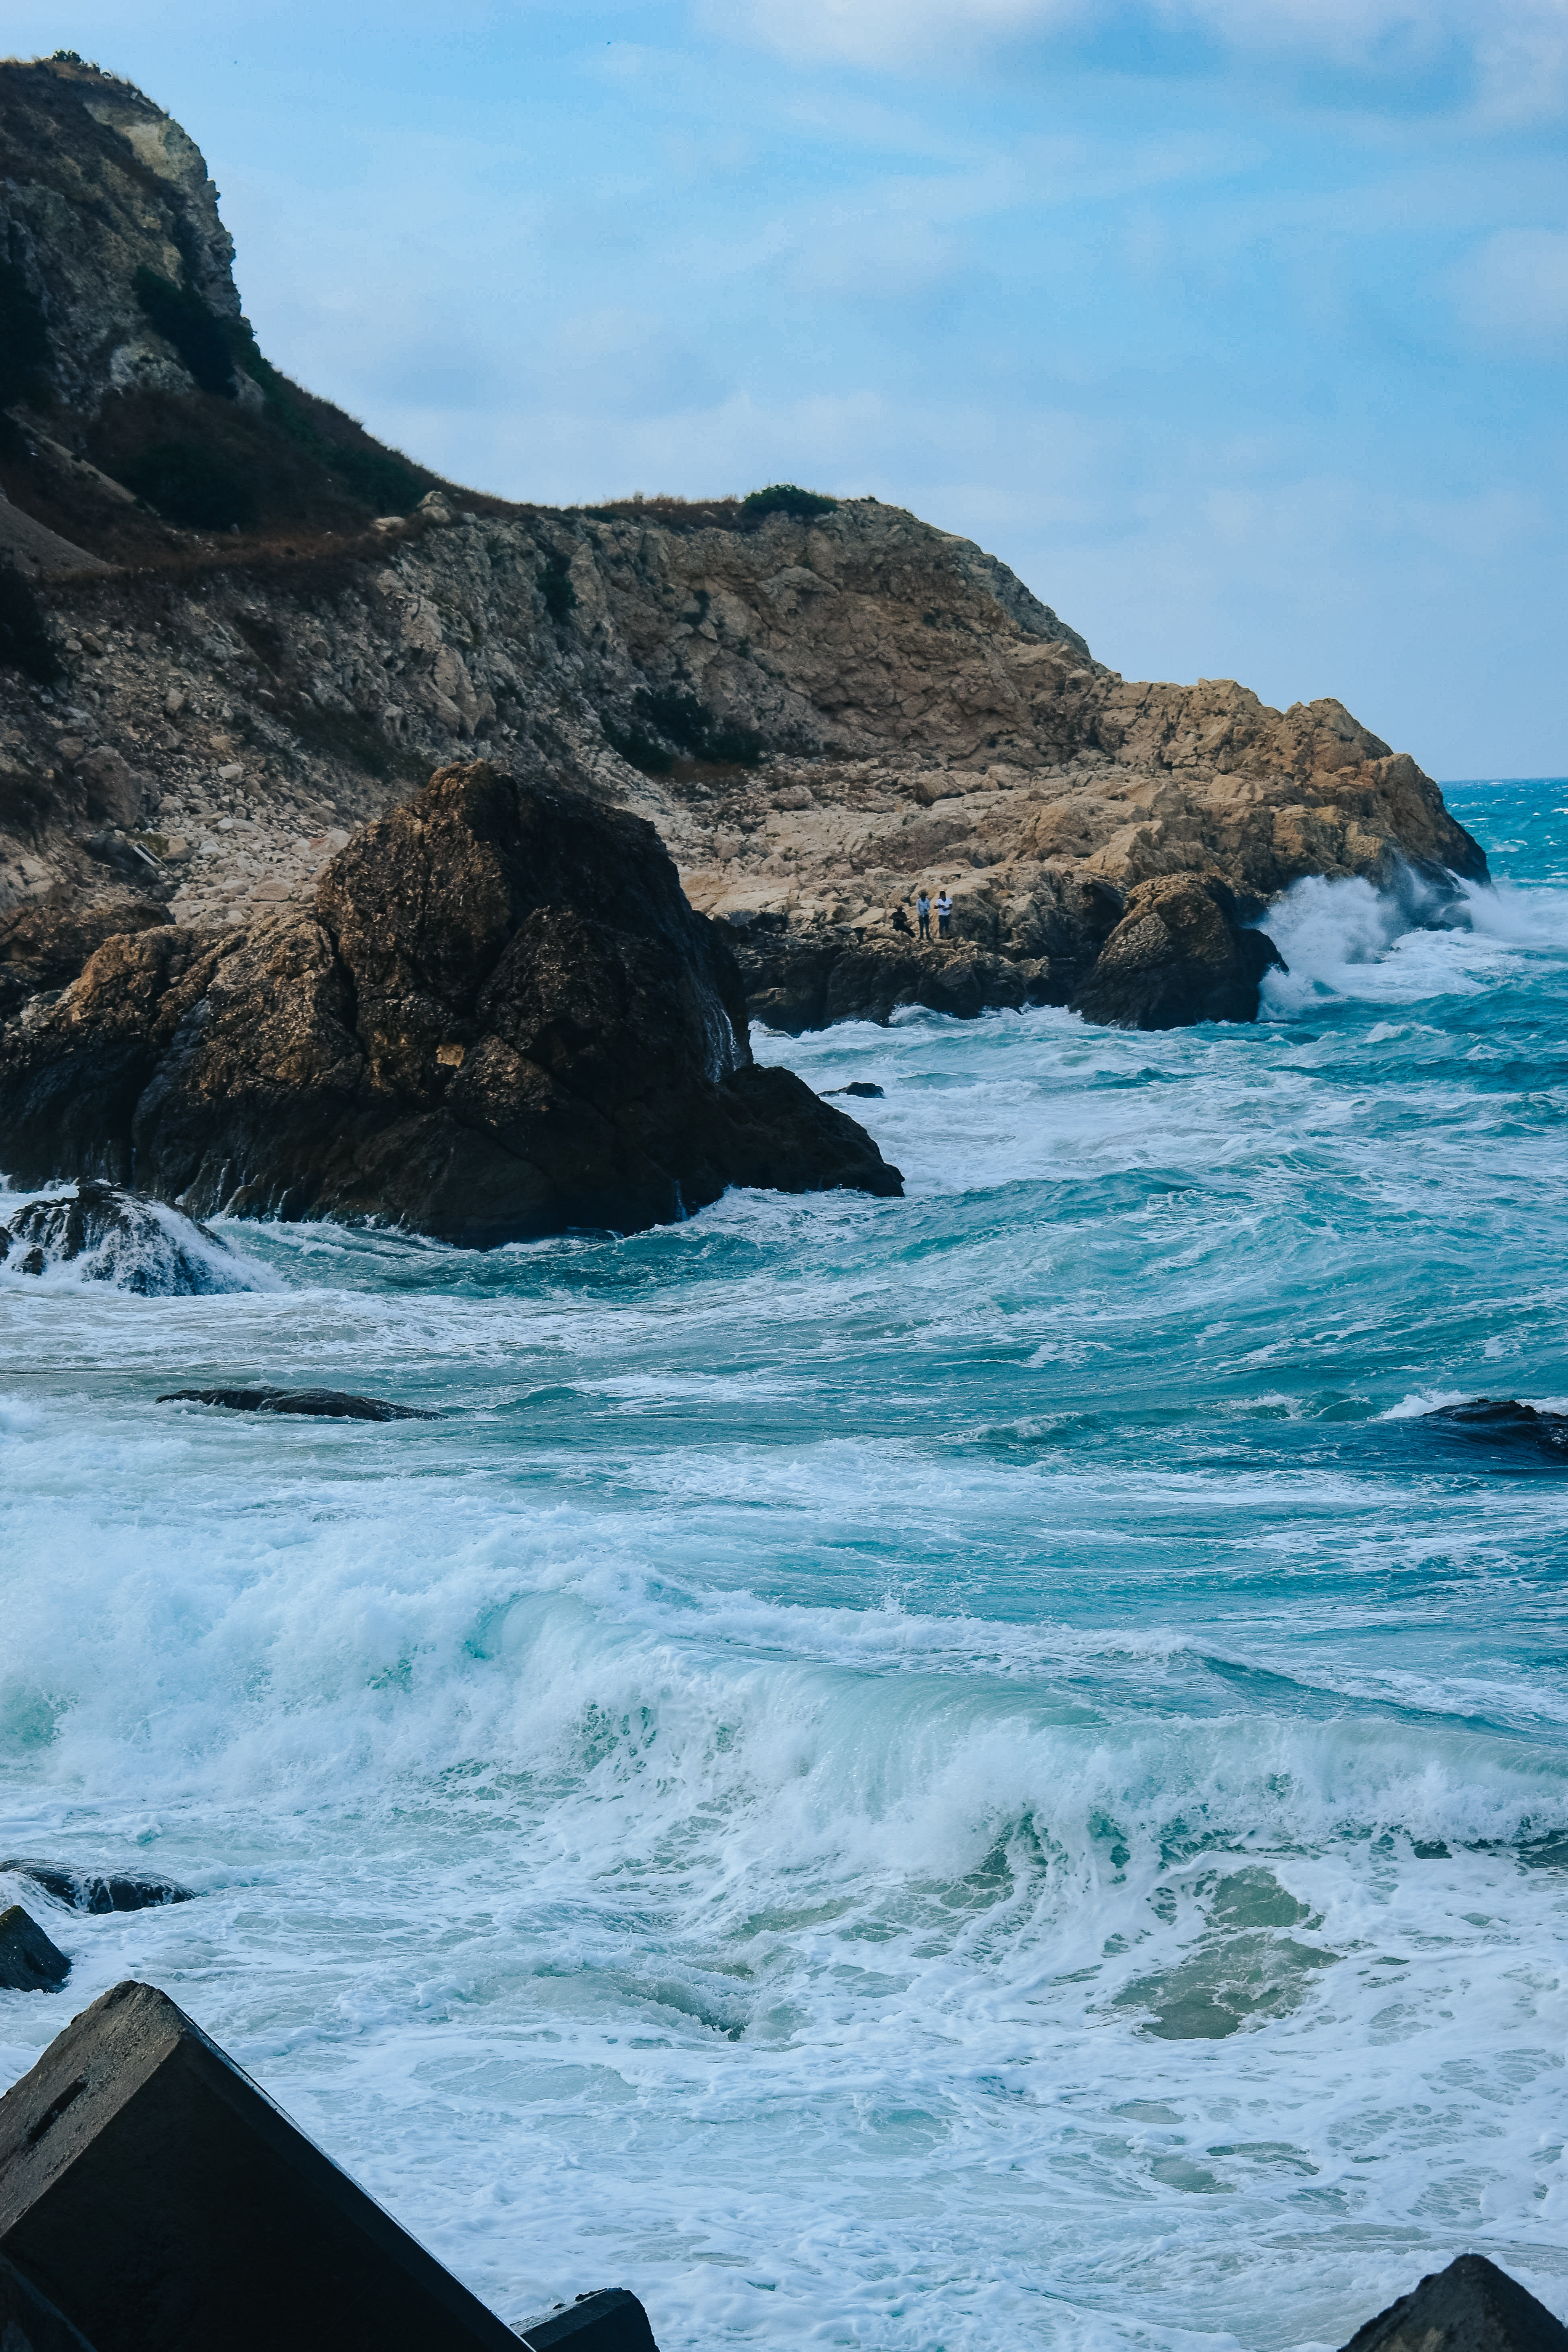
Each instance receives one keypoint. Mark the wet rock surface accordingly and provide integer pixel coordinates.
(499, 1018)
(1471, 2306)
(99, 1891)
(135, 1245)
(29, 1962)
(312, 1404)
(1501, 1423)
(1179, 955)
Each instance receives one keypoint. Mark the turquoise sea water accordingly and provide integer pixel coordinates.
(961, 1772)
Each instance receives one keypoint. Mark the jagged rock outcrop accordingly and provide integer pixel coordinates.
(110, 1236)
(817, 710)
(1178, 956)
(500, 1018)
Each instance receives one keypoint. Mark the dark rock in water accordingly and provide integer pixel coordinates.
(611, 2320)
(865, 1088)
(87, 1890)
(1179, 955)
(501, 1019)
(1503, 1423)
(28, 1961)
(152, 2193)
(1472, 2306)
(321, 1404)
(151, 1250)
(30, 2324)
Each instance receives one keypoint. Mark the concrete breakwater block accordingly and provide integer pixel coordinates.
(1472, 2306)
(29, 2322)
(154, 2193)
(613, 2320)
(28, 1961)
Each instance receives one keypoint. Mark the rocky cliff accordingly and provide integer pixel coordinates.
(499, 1017)
(818, 704)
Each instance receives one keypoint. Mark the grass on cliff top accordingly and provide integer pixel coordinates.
(713, 514)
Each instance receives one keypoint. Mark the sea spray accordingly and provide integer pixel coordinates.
(961, 1772)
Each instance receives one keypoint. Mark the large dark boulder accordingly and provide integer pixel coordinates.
(1179, 955)
(95, 1890)
(1504, 1426)
(500, 1018)
(138, 1245)
(43, 944)
(29, 1962)
(1472, 2306)
(163, 2204)
(306, 1404)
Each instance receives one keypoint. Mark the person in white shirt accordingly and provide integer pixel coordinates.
(943, 915)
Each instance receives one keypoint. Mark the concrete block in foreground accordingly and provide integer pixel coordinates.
(1472, 2306)
(613, 2320)
(29, 1962)
(154, 2193)
(30, 2324)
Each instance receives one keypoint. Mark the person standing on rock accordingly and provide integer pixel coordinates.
(943, 915)
(922, 913)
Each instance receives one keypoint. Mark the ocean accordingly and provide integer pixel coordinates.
(963, 1772)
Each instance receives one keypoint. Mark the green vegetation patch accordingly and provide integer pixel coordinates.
(787, 498)
(670, 722)
(555, 585)
(193, 484)
(204, 343)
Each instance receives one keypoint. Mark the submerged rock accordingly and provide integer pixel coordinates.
(1179, 955)
(866, 1090)
(1504, 1423)
(321, 1404)
(501, 1019)
(87, 1890)
(1472, 2306)
(29, 1962)
(139, 1245)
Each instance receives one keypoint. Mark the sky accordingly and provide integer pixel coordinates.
(1237, 327)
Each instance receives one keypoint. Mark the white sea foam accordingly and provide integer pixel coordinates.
(777, 1796)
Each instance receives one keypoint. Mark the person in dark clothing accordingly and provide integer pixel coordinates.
(922, 913)
(900, 922)
(943, 915)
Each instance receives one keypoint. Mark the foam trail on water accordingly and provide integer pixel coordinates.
(972, 1771)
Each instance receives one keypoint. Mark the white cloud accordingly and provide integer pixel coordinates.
(1513, 289)
(1520, 47)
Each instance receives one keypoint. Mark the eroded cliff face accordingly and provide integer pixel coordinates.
(816, 713)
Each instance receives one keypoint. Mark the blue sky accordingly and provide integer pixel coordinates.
(1237, 327)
